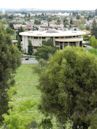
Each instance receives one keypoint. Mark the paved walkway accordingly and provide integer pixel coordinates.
(29, 61)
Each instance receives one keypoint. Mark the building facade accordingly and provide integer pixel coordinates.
(60, 38)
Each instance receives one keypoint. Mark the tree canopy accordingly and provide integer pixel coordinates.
(30, 48)
(94, 28)
(18, 38)
(93, 41)
(46, 50)
(9, 61)
(69, 87)
(65, 22)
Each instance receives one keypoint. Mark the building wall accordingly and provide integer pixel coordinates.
(37, 42)
(24, 44)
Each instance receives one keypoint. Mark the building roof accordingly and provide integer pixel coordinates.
(52, 33)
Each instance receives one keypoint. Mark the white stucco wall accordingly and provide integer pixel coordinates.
(25, 43)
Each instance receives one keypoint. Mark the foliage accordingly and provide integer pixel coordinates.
(49, 42)
(86, 37)
(69, 87)
(46, 123)
(94, 120)
(30, 48)
(18, 37)
(65, 22)
(58, 21)
(9, 61)
(94, 28)
(11, 26)
(20, 116)
(37, 22)
(78, 17)
(40, 66)
(71, 21)
(93, 51)
(87, 27)
(9, 30)
(93, 41)
(45, 52)
(24, 100)
(82, 26)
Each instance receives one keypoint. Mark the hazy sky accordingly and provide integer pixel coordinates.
(50, 4)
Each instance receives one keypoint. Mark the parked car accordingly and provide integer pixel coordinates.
(26, 58)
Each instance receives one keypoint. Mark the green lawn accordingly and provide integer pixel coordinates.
(26, 82)
(24, 103)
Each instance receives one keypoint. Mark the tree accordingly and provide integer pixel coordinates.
(69, 87)
(65, 22)
(45, 51)
(49, 42)
(87, 27)
(86, 37)
(9, 61)
(46, 123)
(93, 41)
(30, 48)
(9, 30)
(94, 28)
(58, 21)
(18, 37)
(37, 22)
(11, 25)
(77, 17)
(71, 22)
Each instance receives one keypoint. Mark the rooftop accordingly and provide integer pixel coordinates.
(52, 33)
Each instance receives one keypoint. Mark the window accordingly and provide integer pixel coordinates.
(43, 38)
(35, 37)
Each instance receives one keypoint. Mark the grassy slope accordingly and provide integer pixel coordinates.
(25, 102)
(26, 81)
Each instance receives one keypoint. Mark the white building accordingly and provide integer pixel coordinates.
(60, 38)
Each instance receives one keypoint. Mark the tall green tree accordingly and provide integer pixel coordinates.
(18, 38)
(94, 28)
(9, 61)
(69, 87)
(45, 52)
(30, 48)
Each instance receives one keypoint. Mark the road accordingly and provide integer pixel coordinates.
(29, 61)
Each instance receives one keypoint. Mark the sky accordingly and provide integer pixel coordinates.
(50, 4)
